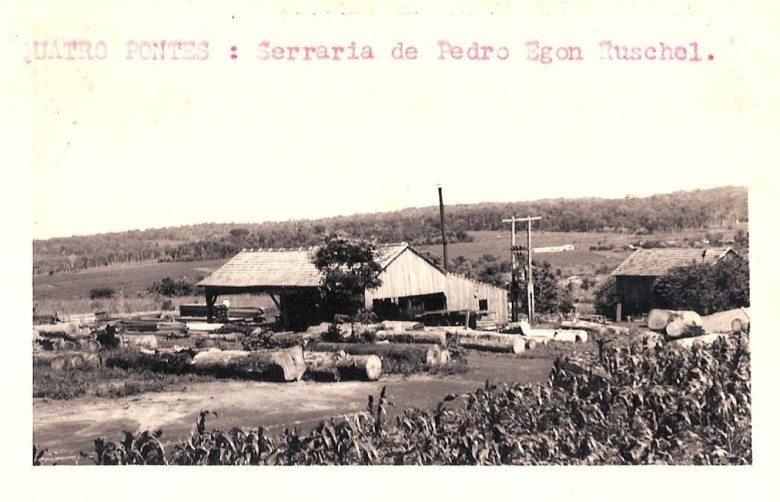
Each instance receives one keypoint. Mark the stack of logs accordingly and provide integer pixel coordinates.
(675, 323)
(353, 351)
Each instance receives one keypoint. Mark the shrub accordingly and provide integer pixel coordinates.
(103, 292)
(171, 287)
(168, 305)
(605, 408)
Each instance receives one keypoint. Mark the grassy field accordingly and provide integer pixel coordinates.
(129, 278)
(68, 293)
(581, 261)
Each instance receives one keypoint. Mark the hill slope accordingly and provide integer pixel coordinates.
(659, 213)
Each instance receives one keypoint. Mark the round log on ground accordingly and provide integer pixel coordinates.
(319, 329)
(530, 344)
(728, 321)
(402, 325)
(594, 328)
(559, 335)
(283, 364)
(419, 353)
(658, 319)
(145, 341)
(394, 336)
(341, 366)
(487, 341)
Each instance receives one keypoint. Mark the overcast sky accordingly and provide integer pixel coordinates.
(121, 144)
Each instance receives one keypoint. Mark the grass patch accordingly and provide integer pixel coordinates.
(106, 381)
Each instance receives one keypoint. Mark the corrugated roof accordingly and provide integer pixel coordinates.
(281, 267)
(656, 262)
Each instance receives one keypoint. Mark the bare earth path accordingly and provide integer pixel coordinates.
(67, 427)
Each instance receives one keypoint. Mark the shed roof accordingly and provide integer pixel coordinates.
(283, 267)
(657, 262)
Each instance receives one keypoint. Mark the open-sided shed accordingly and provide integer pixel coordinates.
(411, 284)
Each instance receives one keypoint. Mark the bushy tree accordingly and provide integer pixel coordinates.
(348, 267)
(705, 288)
(549, 296)
(606, 297)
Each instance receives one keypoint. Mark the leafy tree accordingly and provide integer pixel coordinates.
(705, 288)
(348, 267)
(549, 296)
(606, 297)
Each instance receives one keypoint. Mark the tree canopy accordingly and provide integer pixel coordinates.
(349, 267)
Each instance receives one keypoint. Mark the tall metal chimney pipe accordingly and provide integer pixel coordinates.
(443, 234)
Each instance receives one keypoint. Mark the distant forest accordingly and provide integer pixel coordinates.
(718, 207)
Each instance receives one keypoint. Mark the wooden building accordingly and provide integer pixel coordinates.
(411, 285)
(635, 276)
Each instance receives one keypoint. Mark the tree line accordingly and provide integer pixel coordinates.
(418, 226)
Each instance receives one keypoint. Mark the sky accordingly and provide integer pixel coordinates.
(121, 144)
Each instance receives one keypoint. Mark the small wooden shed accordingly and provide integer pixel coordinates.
(636, 275)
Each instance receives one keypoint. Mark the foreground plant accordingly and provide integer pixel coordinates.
(624, 405)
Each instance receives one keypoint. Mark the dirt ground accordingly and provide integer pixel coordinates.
(67, 427)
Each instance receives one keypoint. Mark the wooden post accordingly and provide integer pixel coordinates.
(211, 299)
(619, 312)
(443, 234)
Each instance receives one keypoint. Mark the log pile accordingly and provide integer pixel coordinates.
(675, 323)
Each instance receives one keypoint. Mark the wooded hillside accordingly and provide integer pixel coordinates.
(646, 215)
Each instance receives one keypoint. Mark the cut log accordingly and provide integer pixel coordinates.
(684, 324)
(402, 325)
(530, 344)
(145, 341)
(284, 364)
(203, 326)
(658, 319)
(559, 335)
(594, 328)
(341, 366)
(487, 341)
(437, 337)
(319, 328)
(729, 321)
(424, 354)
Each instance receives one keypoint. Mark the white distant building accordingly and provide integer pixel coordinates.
(555, 249)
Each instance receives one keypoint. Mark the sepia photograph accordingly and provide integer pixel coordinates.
(417, 234)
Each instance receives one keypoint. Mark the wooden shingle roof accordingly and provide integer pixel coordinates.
(657, 262)
(281, 267)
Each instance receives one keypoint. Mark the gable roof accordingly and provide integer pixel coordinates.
(285, 267)
(657, 262)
